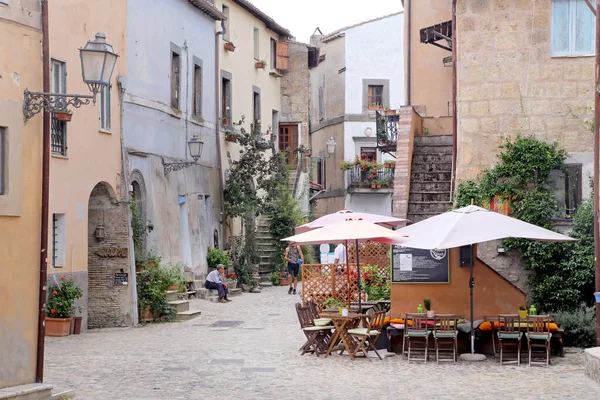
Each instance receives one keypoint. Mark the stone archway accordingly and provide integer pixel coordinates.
(109, 299)
(139, 213)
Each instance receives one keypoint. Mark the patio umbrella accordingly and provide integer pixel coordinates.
(470, 225)
(349, 229)
(342, 215)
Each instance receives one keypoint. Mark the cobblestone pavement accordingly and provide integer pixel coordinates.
(248, 349)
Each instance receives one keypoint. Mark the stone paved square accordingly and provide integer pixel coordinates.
(191, 360)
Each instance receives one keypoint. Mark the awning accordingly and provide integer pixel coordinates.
(439, 32)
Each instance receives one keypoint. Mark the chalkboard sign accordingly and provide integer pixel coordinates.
(420, 266)
(121, 278)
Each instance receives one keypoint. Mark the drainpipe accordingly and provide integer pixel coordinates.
(218, 133)
(408, 55)
(39, 369)
(454, 105)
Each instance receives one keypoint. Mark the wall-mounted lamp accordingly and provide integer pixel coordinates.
(195, 146)
(99, 233)
(330, 146)
(150, 226)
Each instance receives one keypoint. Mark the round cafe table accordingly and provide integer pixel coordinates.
(342, 325)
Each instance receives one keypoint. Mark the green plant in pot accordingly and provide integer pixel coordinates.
(60, 306)
(427, 304)
(522, 312)
(333, 303)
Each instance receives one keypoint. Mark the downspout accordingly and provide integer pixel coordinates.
(223, 217)
(408, 55)
(454, 105)
(39, 368)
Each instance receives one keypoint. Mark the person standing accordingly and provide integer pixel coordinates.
(340, 254)
(293, 255)
(214, 281)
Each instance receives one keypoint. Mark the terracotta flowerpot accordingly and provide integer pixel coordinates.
(147, 315)
(229, 46)
(378, 186)
(174, 287)
(63, 116)
(150, 263)
(373, 186)
(230, 138)
(77, 325)
(260, 65)
(58, 326)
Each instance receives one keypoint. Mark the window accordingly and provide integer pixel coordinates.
(376, 96)
(256, 109)
(105, 108)
(197, 109)
(175, 79)
(225, 23)
(256, 45)
(572, 28)
(273, 53)
(58, 240)
(322, 103)
(58, 84)
(321, 163)
(225, 101)
(566, 186)
(368, 153)
(2, 161)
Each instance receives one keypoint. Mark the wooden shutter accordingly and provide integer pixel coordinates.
(283, 56)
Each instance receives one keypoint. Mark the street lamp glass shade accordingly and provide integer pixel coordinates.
(331, 146)
(195, 145)
(98, 60)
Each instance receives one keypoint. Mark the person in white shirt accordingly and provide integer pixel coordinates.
(340, 254)
(214, 281)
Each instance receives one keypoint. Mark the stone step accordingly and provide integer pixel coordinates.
(180, 305)
(441, 158)
(437, 207)
(172, 295)
(432, 150)
(214, 295)
(435, 140)
(62, 394)
(429, 196)
(265, 284)
(187, 315)
(431, 167)
(263, 237)
(421, 186)
(431, 176)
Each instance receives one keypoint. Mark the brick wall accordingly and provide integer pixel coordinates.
(109, 305)
(406, 131)
(509, 83)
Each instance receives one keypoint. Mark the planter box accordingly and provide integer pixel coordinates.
(229, 46)
(58, 326)
(63, 116)
(284, 281)
(230, 138)
(260, 65)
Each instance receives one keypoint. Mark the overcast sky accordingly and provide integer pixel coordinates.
(301, 17)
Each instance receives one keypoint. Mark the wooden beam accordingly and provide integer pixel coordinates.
(591, 7)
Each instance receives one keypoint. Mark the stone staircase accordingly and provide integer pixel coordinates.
(431, 175)
(182, 305)
(265, 247)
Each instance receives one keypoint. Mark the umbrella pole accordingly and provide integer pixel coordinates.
(349, 292)
(471, 284)
(358, 272)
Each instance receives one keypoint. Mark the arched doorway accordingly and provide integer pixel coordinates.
(139, 221)
(108, 260)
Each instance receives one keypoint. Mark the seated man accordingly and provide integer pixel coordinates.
(214, 281)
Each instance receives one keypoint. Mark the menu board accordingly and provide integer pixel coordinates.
(420, 266)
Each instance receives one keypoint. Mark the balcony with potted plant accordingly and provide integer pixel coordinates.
(365, 176)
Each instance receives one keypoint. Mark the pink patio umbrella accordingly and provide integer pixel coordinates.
(342, 215)
(349, 229)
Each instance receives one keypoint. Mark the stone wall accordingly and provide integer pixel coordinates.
(109, 304)
(508, 82)
(295, 86)
(592, 363)
(408, 124)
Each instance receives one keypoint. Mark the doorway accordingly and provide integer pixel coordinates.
(288, 143)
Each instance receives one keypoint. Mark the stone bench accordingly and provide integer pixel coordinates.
(592, 363)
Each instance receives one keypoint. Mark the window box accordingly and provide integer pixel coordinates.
(229, 46)
(260, 65)
(375, 107)
(64, 116)
(230, 138)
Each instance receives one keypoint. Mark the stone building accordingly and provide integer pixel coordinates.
(20, 194)
(359, 73)
(169, 100)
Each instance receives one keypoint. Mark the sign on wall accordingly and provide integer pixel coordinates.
(420, 266)
(112, 252)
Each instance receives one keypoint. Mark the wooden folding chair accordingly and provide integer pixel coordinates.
(365, 338)
(317, 337)
(538, 330)
(445, 330)
(415, 328)
(509, 334)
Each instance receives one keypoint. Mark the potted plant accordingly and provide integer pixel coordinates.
(284, 279)
(333, 304)
(391, 164)
(230, 138)
(64, 115)
(229, 46)
(60, 306)
(231, 280)
(373, 185)
(378, 183)
(522, 312)
(262, 64)
(427, 304)
(346, 165)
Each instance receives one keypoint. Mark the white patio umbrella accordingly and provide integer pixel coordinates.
(470, 225)
(350, 229)
(342, 215)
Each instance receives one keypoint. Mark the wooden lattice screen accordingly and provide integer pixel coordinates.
(322, 281)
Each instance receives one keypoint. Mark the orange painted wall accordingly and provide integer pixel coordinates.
(492, 294)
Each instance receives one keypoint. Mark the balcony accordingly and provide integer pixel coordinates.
(374, 179)
(387, 131)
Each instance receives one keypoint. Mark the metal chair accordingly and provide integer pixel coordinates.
(317, 337)
(538, 335)
(509, 334)
(445, 330)
(365, 338)
(415, 328)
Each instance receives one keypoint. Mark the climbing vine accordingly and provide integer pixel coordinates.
(138, 227)
(562, 272)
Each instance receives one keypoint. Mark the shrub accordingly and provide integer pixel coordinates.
(62, 297)
(152, 285)
(333, 303)
(579, 326)
(275, 279)
(216, 257)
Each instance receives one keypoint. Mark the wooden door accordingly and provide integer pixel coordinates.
(288, 142)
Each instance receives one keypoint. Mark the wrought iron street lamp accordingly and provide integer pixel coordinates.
(98, 60)
(195, 146)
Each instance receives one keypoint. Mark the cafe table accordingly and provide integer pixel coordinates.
(342, 325)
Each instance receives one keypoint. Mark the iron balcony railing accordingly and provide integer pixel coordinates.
(387, 132)
(357, 177)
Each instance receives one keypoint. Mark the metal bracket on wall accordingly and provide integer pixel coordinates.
(36, 102)
(171, 167)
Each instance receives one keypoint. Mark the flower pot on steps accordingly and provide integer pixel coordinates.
(58, 326)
